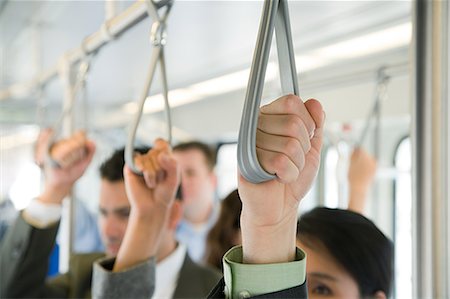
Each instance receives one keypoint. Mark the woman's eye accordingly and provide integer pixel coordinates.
(321, 290)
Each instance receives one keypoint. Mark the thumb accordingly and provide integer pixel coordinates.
(171, 169)
(132, 181)
(318, 115)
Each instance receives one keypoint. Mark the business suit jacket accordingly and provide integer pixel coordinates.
(138, 282)
(24, 256)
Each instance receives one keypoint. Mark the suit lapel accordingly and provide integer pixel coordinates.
(187, 284)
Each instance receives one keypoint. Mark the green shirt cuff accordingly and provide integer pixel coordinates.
(246, 280)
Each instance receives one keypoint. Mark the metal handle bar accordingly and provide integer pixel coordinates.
(158, 35)
(275, 14)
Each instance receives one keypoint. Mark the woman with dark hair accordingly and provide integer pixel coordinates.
(347, 255)
(226, 233)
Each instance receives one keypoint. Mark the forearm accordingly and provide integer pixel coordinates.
(139, 244)
(54, 194)
(269, 244)
(357, 198)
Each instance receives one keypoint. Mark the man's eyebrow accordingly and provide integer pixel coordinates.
(122, 210)
(322, 276)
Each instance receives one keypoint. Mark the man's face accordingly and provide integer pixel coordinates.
(114, 211)
(197, 180)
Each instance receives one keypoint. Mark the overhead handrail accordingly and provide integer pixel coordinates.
(158, 40)
(275, 14)
(380, 96)
(108, 31)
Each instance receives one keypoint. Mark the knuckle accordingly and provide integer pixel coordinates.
(291, 102)
(293, 125)
(281, 163)
(293, 147)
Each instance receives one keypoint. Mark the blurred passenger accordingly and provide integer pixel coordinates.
(27, 246)
(348, 256)
(198, 188)
(361, 172)
(7, 215)
(226, 233)
(86, 234)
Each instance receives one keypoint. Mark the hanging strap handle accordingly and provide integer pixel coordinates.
(275, 14)
(68, 109)
(158, 39)
(380, 96)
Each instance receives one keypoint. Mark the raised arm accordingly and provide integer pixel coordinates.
(361, 172)
(289, 140)
(132, 273)
(27, 246)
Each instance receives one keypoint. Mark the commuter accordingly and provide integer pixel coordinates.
(348, 256)
(27, 247)
(198, 186)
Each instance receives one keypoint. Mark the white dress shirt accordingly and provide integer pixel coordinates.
(167, 273)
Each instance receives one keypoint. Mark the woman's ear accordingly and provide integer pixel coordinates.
(379, 295)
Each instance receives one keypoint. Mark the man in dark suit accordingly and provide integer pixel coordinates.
(289, 141)
(26, 249)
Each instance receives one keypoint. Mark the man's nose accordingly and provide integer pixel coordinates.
(111, 227)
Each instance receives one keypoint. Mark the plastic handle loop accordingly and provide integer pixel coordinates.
(275, 15)
(158, 35)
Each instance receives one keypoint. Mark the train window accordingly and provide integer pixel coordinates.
(331, 184)
(17, 166)
(335, 175)
(403, 221)
(226, 169)
(30, 176)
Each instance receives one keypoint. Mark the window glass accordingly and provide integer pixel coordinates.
(403, 222)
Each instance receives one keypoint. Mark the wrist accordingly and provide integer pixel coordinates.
(54, 195)
(139, 244)
(268, 244)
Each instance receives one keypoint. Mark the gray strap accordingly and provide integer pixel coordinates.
(158, 35)
(275, 15)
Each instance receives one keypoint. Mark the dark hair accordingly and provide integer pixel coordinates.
(207, 151)
(222, 235)
(112, 169)
(355, 243)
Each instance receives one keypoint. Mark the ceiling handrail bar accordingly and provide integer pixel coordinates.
(158, 40)
(275, 15)
(109, 30)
